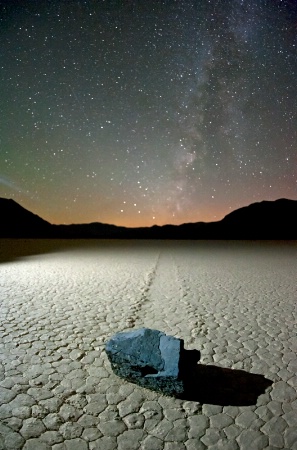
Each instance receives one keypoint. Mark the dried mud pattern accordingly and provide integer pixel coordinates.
(234, 302)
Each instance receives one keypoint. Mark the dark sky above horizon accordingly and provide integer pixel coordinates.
(147, 112)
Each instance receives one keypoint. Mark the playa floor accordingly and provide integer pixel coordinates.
(60, 301)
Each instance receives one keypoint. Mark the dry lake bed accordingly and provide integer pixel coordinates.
(60, 301)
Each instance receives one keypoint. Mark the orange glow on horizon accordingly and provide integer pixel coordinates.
(69, 217)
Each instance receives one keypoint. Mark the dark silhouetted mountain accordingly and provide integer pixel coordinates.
(265, 220)
(16, 221)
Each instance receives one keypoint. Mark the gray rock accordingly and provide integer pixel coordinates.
(149, 358)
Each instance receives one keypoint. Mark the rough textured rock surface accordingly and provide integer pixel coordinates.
(149, 358)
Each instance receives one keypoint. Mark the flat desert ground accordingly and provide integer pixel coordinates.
(60, 301)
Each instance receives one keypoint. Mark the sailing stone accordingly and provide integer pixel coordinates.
(148, 358)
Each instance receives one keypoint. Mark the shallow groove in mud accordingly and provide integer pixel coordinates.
(137, 306)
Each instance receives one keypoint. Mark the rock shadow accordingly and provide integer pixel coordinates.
(217, 385)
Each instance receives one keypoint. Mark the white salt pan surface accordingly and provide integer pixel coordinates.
(61, 300)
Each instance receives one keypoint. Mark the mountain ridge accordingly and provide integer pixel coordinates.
(275, 219)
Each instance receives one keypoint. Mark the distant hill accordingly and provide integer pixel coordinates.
(265, 220)
(16, 221)
(272, 219)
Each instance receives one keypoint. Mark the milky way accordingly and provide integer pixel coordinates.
(147, 112)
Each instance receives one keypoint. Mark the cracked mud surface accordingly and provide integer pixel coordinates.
(60, 302)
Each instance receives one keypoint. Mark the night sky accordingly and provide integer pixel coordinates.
(142, 112)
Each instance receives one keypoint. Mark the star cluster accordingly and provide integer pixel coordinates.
(139, 113)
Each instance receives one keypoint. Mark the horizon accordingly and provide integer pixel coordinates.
(135, 114)
(215, 219)
(149, 226)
